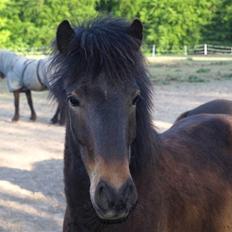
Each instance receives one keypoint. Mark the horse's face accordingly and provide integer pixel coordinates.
(103, 121)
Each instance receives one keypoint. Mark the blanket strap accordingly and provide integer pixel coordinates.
(38, 76)
(26, 63)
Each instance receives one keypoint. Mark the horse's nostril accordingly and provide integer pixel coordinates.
(128, 190)
(102, 196)
(101, 190)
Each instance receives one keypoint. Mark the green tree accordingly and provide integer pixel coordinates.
(171, 24)
(123, 8)
(32, 23)
(4, 32)
(219, 30)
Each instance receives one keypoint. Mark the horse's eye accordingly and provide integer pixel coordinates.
(135, 100)
(74, 101)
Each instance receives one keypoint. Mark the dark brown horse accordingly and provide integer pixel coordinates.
(120, 174)
(218, 106)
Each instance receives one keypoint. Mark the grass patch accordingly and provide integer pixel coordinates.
(172, 78)
(194, 71)
(203, 70)
(218, 63)
(194, 78)
(161, 82)
(227, 76)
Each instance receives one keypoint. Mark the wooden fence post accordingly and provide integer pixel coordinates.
(185, 50)
(153, 50)
(205, 50)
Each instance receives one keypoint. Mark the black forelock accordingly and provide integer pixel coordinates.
(103, 45)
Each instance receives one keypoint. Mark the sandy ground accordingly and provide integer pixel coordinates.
(31, 181)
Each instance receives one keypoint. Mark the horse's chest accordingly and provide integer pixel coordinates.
(225, 218)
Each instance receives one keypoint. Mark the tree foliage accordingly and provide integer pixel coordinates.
(32, 23)
(169, 24)
(219, 30)
(176, 23)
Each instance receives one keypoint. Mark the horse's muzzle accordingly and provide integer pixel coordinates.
(114, 204)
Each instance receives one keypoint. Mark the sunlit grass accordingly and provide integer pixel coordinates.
(164, 70)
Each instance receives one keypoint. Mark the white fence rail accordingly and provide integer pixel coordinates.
(201, 49)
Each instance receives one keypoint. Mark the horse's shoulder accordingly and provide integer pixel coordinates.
(205, 136)
(208, 124)
(199, 150)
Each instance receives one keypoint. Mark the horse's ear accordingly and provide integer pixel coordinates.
(136, 30)
(64, 35)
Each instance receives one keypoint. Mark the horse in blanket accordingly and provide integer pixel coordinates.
(26, 75)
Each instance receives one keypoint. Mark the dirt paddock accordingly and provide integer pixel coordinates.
(31, 181)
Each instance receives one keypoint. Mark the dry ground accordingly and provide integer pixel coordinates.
(31, 182)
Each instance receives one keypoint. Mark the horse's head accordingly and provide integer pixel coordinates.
(100, 67)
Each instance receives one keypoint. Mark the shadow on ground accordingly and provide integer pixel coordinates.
(32, 199)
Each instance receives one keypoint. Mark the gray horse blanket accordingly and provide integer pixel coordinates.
(23, 73)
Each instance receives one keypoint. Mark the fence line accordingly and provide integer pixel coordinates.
(200, 49)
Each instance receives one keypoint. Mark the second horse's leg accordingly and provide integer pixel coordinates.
(54, 119)
(30, 103)
(16, 104)
(62, 115)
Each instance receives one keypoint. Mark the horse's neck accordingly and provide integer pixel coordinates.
(145, 169)
(145, 152)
